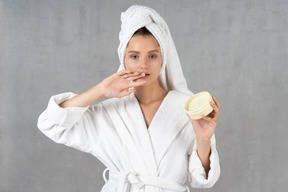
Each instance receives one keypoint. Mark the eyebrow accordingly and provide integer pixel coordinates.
(155, 50)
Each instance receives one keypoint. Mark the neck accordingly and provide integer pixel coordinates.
(150, 93)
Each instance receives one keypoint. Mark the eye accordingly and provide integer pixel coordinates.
(152, 56)
(134, 57)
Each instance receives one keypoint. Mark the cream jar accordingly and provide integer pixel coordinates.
(198, 105)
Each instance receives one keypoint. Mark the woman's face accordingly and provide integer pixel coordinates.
(143, 55)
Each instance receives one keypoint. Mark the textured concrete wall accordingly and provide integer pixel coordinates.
(237, 50)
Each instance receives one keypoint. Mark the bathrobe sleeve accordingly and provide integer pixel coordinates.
(72, 126)
(197, 172)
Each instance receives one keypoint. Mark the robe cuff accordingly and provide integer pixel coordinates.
(64, 117)
(197, 171)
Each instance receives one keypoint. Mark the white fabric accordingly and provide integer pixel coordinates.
(115, 132)
(138, 16)
(139, 181)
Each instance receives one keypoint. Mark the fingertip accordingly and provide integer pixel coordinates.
(131, 91)
(215, 99)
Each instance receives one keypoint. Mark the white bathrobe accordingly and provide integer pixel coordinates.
(160, 158)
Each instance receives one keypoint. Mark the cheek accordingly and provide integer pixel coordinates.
(157, 64)
(129, 65)
(126, 63)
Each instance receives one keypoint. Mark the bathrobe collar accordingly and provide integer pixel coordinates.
(168, 121)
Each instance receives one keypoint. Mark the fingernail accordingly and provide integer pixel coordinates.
(143, 74)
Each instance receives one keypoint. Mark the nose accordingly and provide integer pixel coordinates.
(143, 65)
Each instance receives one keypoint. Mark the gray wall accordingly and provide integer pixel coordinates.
(237, 50)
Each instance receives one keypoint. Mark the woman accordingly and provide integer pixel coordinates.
(141, 134)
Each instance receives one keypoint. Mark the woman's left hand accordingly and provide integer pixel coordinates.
(205, 127)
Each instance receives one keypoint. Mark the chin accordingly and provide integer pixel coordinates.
(150, 82)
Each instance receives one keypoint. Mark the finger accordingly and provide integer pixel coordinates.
(135, 84)
(132, 74)
(216, 102)
(215, 108)
(134, 78)
(123, 72)
(207, 118)
(212, 114)
(188, 116)
(126, 92)
(193, 121)
(209, 121)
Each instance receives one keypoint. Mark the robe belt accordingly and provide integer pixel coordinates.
(126, 179)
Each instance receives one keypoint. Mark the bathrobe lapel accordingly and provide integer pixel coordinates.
(133, 133)
(140, 134)
(166, 124)
(148, 146)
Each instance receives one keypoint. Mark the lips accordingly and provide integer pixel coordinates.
(145, 75)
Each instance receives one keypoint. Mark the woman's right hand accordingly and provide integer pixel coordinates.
(117, 85)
